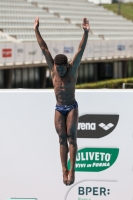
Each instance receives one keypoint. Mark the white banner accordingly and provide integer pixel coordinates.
(110, 48)
(8, 53)
(29, 146)
(19, 52)
(89, 50)
(104, 49)
(122, 47)
(69, 49)
(129, 48)
(2, 53)
(97, 49)
(56, 48)
(30, 51)
(119, 48)
(38, 56)
(76, 47)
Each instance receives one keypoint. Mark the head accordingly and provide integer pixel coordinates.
(61, 63)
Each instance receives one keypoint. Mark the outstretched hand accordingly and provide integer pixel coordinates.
(36, 23)
(85, 24)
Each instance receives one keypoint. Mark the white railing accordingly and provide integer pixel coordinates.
(124, 85)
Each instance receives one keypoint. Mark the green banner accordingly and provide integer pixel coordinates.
(95, 159)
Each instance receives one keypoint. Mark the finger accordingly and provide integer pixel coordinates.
(84, 19)
(37, 19)
(84, 22)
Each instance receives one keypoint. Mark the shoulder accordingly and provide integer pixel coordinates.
(52, 72)
(73, 69)
(70, 63)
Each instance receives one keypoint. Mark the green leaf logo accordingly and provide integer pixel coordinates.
(95, 159)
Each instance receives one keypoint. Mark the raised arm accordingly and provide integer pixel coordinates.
(43, 45)
(78, 56)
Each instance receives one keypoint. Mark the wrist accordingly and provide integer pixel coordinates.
(86, 32)
(36, 29)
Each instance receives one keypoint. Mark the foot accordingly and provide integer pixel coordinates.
(65, 177)
(71, 178)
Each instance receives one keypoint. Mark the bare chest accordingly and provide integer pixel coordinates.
(66, 81)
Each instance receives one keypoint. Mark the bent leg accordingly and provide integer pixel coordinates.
(72, 123)
(60, 125)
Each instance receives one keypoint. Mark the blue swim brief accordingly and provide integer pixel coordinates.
(64, 109)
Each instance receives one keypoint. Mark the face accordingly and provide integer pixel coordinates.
(61, 69)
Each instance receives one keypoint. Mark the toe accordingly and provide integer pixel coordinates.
(65, 182)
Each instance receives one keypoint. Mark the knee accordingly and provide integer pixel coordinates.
(72, 140)
(62, 139)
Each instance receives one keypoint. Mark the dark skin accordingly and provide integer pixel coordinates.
(64, 79)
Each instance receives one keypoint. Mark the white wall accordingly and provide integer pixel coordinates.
(29, 150)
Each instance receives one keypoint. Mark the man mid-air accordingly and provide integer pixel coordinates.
(64, 77)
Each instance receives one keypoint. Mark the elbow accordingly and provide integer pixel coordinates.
(81, 51)
(42, 48)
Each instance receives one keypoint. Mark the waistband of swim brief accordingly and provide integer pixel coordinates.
(63, 106)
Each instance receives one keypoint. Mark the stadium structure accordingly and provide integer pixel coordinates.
(108, 54)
